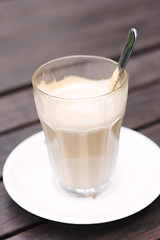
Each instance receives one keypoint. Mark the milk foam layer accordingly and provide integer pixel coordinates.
(74, 87)
(80, 103)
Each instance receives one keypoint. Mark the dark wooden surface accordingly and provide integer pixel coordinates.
(35, 31)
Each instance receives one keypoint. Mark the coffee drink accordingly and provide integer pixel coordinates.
(81, 120)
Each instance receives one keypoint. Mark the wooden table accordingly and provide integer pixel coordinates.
(33, 32)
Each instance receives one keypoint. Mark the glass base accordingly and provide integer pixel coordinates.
(84, 193)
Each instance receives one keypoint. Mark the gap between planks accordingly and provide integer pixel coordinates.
(32, 123)
(23, 229)
(136, 53)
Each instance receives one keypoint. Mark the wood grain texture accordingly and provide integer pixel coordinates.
(153, 132)
(143, 107)
(13, 217)
(17, 109)
(9, 141)
(34, 32)
(144, 70)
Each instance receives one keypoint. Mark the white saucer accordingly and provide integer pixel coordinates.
(28, 180)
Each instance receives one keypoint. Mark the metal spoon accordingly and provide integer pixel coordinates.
(132, 35)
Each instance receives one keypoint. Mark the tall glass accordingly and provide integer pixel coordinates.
(82, 133)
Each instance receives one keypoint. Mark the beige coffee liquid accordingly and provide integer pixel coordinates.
(82, 129)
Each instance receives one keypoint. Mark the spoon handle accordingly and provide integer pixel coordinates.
(127, 49)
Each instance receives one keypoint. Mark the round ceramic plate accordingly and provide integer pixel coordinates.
(28, 179)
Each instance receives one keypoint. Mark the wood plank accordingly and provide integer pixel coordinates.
(13, 217)
(33, 32)
(37, 31)
(144, 69)
(153, 132)
(141, 226)
(9, 141)
(17, 109)
(142, 108)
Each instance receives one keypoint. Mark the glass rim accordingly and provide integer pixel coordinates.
(76, 56)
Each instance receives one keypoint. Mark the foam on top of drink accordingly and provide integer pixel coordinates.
(75, 87)
(77, 105)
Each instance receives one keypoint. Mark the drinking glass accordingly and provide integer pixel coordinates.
(82, 133)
